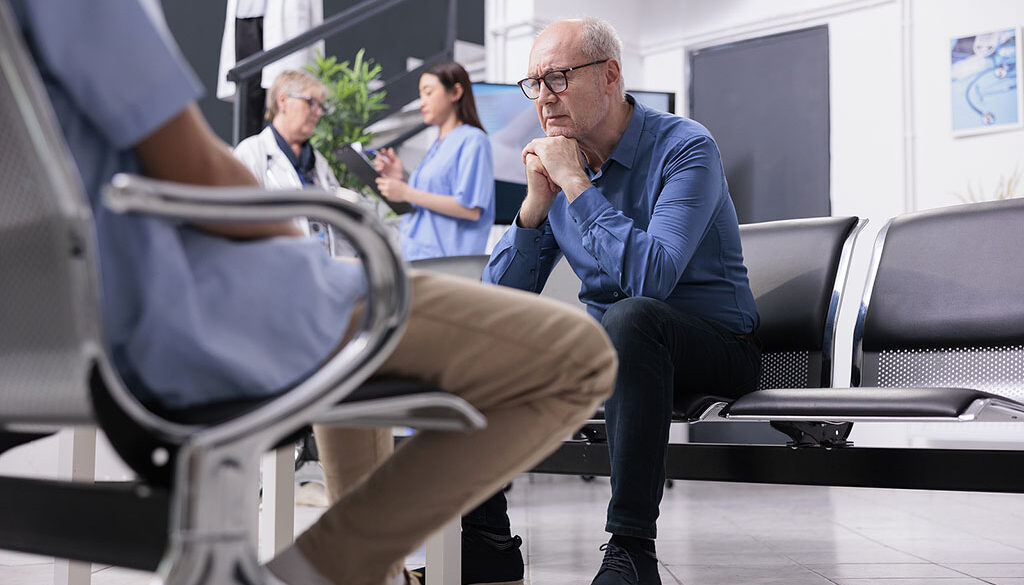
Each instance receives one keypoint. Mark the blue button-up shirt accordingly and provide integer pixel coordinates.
(658, 222)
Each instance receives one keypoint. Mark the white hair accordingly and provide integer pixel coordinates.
(292, 81)
(600, 41)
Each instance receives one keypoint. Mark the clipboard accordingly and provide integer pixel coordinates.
(357, 162)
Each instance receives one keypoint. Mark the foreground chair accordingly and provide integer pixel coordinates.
(192, 514)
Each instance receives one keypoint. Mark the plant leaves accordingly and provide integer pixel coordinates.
(352, 103)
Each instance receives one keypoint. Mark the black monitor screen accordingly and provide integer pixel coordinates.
(511, 121)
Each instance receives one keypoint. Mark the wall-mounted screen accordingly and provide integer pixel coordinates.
(511, 122)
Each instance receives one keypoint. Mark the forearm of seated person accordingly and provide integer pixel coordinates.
(444, 204)
(185, 150)
(252, 231)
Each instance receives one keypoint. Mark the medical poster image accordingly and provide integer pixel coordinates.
(985, 80)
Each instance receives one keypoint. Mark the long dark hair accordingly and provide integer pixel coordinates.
(451, 73)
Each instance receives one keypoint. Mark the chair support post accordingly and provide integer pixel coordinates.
(209, 541)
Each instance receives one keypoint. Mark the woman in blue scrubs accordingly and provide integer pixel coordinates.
(452, 189)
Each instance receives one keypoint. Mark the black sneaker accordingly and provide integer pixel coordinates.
(622, 566)
(487, 559)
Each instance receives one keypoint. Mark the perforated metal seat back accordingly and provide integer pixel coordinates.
(48, 311)
(794, 266)
(945, 304)
(790, 369)
(999, 370)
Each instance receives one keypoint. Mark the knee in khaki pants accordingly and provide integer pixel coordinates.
(349, 455)
(535, 368)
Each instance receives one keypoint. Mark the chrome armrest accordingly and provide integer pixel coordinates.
(384, 315)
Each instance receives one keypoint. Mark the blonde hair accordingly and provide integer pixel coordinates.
(292, 81)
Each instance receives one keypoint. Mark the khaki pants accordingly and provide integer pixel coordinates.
(535, 368)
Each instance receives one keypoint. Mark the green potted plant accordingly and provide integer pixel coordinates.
(350, 105)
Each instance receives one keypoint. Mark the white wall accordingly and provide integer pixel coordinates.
(512, 26)
(945, 164)
(867, 130)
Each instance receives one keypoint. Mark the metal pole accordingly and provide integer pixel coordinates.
(452, 29)
(240, 106)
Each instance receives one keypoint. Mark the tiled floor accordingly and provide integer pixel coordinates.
(736, 534)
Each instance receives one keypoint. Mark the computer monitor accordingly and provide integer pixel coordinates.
(511, 122)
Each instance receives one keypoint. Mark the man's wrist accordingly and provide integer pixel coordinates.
(527, 220)
(575, 187)
(529, 217)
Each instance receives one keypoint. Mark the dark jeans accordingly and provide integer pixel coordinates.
(490, 516)
(666, 358)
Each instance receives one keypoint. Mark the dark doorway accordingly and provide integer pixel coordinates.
(766, 102)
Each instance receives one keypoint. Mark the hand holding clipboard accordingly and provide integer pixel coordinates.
(364, 169)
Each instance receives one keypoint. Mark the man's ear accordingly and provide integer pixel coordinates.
(613, 73)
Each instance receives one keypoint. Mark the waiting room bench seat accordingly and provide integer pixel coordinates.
(874, 405)
(939, 337)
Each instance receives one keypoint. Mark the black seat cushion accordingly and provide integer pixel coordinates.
(218, 412)
(838, 403)
(387, 387)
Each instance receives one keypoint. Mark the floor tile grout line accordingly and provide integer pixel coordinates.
(926, 518)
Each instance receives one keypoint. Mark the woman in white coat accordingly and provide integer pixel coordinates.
(281, 156)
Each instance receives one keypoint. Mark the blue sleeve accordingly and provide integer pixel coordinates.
(523, 258)
(127, 94)
(474, 179)
(649, 263)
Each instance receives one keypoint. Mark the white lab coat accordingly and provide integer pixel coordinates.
(283, 20)
(262, 155)
(273, 169)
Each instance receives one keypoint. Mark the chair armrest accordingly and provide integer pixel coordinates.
(384, 315)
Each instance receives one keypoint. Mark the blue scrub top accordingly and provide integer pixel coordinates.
(461, 166)
(189, 318)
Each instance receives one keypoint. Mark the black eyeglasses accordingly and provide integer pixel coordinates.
(311, 101)
(556, 80)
